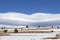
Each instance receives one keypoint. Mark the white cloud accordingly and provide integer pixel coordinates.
(21, 18)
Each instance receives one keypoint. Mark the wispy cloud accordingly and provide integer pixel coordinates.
(14, 18)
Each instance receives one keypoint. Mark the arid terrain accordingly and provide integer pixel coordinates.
(31, 33)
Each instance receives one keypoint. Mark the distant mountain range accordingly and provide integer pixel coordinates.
(36, 19)
(36, 24)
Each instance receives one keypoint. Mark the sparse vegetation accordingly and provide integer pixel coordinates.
(52, 26)
(16, 30)
(39, 26)
(5, 31)
(26, 26)
(51, 30)
(58, 27)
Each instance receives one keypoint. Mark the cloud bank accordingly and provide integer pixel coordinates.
(13, 18)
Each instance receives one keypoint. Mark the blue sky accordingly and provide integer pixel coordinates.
(30, 6)
(40, 12)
